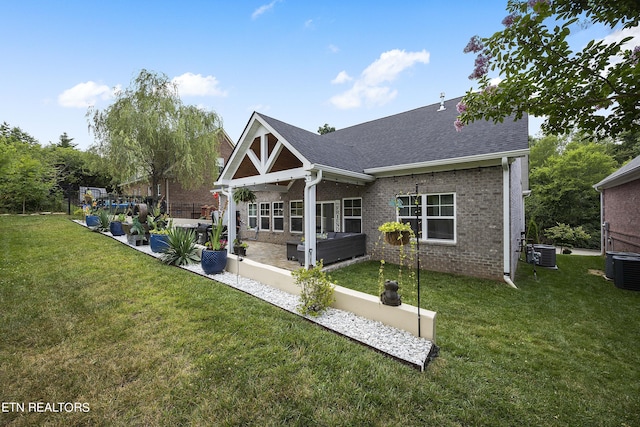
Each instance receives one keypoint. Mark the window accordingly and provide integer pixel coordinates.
(327, 216)
(253, 215)
(296, 216)
(436, 222)
(265, 216)
(220, 163)
(352, 214)
(278, 216)
(441, 220)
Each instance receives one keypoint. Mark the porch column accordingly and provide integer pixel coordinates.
(310, 218)
(231, 218)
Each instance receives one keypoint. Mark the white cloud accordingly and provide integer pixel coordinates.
(333, 48)
(86, 94)
(369, 88)
(618, 35)
(263, 9)
(198, 85)
(342, 77)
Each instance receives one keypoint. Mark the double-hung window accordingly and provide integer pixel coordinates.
(432, 216)
(352, 215)
(253, 215)
(265, 216)
(296, 216)
(278, 216)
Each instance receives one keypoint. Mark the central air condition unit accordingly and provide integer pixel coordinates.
(609, 270)
(627, 274)
(547, 255)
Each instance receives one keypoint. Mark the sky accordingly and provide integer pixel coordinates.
(306, 63)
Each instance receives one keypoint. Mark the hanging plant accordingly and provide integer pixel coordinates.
(396, 233)
(244, 195)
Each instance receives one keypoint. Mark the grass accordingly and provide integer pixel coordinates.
(83, 318)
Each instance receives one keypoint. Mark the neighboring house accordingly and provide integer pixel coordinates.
(469, 185)
(619, 207)
(185, 203)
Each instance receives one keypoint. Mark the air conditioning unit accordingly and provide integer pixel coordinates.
(547, 255)
(609, 270)
(627, 272)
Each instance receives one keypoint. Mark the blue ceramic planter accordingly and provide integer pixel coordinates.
(213, 262)
(115, 227)
(159, 242)
(92, 220)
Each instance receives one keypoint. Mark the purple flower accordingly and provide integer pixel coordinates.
(481, 67)
(533, 4)
(509, 19)
(458, 125)
(490, 88)
(461, 107)
(475, 45)
(635, 55)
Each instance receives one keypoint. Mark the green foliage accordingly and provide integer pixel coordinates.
(392, 226)
(533, 233)
(148, 129)
(566, 236)
(541, 75)
(317, 290)
(561, 187)
(326, 129)
(182, 247)
(244, 194)
(104, 220)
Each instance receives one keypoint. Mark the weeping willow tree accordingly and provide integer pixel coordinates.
(149, 133)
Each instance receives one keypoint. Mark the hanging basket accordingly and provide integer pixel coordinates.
(397, 238)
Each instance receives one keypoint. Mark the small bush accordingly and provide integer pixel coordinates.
(317, 290)
(182, 248)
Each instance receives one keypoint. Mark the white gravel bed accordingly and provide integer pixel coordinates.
(394, 342)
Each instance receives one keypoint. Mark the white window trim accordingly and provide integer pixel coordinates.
(260, 216)
(424, 218)
(296, 216)
(274, 216)
(345, 217)
(249, 216)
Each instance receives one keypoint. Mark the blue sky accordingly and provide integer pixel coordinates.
(303, 62)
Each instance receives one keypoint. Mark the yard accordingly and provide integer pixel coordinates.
(86, 320)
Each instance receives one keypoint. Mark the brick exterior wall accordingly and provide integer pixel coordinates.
(620, 210)
(478, 249)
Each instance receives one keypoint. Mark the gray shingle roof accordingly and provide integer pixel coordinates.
(415, 136)
(628, 170)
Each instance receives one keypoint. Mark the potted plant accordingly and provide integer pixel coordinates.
(396, 233)
(240, 247)
(115, 226)
(137, 234)
(244, 195)
(181, 247)
(214, 256)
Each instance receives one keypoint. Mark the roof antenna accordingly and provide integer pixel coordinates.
(442, 107)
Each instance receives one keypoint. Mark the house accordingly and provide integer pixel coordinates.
(469, 185)
(184, 203)
(619, 201)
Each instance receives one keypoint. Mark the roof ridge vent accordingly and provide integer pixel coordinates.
(442, 107)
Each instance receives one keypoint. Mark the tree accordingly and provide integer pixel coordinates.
(326, 129)
(561, 187)
(65, 141)
(148, 133)
(28, 179)
(595, 89)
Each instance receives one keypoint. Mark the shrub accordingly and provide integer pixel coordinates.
(182, 247)
(317, 290)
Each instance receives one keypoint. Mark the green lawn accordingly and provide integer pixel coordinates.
(84, 318)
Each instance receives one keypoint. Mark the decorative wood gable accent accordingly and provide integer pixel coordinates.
(265, 155)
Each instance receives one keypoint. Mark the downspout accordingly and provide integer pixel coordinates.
(310, 232)
(506, 224)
